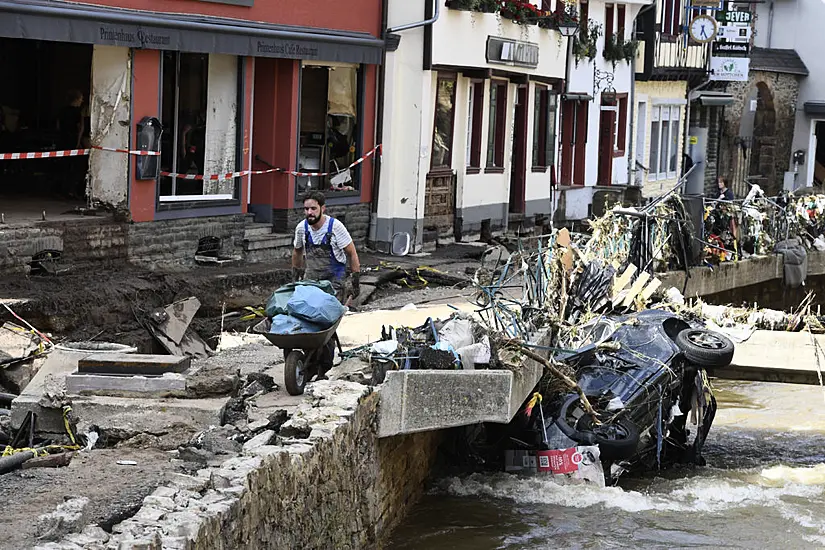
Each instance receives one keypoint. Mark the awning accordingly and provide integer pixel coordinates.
(67, 22)
(814, 107)
(713, 99)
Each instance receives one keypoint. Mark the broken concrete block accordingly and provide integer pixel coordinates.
(67, 517)
(174, 319)
(217, 440)
(132, 364)
(259, 440)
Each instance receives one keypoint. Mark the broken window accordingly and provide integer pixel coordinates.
(330, 128)
(200, 117)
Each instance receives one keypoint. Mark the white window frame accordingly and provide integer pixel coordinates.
(468, 152)
(664, 113)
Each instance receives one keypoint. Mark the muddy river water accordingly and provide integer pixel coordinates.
(763, 487)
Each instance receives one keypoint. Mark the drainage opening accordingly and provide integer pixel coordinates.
(97, 347)
(46, 262)
(209, 247)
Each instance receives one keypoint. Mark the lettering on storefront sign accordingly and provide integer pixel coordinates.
(729, 69)
(138, 38)
(733, 16)
(730, 48)
(512, 52)
(287, 49)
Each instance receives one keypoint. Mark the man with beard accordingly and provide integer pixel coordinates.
(324, 250)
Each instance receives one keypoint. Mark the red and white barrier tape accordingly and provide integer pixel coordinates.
(232, 175)
(73, 153)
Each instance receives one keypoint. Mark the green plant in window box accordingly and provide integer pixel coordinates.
(523, 13)
(556, 19)
(464, 5)
(617, 49)
(584, 43)
(487, 6)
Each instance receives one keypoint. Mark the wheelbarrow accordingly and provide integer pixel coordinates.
(303, 353)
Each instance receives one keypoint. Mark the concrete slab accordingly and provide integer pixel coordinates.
(168, 385)
(773, 356)
(151, 416)
(422, 400)
(132, 364)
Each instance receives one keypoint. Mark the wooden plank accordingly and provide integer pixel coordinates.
(622, 281)
(135, 364)
(636, 288)
(650, 289)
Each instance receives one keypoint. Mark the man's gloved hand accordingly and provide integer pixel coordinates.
(355, 278)
(297, 274)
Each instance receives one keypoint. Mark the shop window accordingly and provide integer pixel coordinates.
(497, 127)
(442, 151)
(330, 129)
(544, 127)
(664, 141)
(200, 115)
(475, 116)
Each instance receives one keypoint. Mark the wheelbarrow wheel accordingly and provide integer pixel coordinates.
(295, 373)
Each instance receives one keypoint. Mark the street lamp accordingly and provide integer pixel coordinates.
(568, 28)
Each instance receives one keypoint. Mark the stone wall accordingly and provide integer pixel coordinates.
(776, 95)
(340, 487)
(107, 243)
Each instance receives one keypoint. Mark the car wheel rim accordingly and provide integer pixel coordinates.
(705, 340)
(612, 432)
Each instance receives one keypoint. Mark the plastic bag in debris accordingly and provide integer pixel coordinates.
(286, 324)
(312, 304)
(819, 243)
(276, 305)
(458, 333)
(475, 354)
(385, 347)
(575, 465)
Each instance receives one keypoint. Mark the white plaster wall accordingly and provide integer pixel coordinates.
(797, 24)
(401, 183)
(221, 122)
(460, 39)
(656, 94)
(581, 81)
(110, 113)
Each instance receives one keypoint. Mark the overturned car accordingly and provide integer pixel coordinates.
(648, 402)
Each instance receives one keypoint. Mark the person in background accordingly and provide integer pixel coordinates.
(71, 126)
(725, 194)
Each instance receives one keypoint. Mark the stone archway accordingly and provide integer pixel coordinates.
(763, 151)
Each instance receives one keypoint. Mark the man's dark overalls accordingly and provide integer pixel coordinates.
(322, 265)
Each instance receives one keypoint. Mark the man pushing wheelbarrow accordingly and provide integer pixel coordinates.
(323, 250)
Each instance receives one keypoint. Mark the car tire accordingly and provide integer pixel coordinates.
(705, 348)
(617, 440)
(295, 375)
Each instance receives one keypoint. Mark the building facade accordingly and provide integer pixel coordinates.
(469, 121)
(221, 88)
(669, 65)
(597, 124)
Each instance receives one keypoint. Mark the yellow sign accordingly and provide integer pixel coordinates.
(694, 140)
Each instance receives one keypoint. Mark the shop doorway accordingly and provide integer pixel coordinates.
(44, 103)
(518, 170)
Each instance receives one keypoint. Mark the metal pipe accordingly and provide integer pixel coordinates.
(12, 462)
(770, 23)
(152, 20)
(379, 117)
(430, 21)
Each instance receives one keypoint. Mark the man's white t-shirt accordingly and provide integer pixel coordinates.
(340, 237)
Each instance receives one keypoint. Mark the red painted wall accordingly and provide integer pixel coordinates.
(352, 15)
(146, 86)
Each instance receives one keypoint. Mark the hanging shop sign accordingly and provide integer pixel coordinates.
(503, 51)
(729, 33)
(704, 4)
(734, 17)
(723, 49)
(729, 69)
